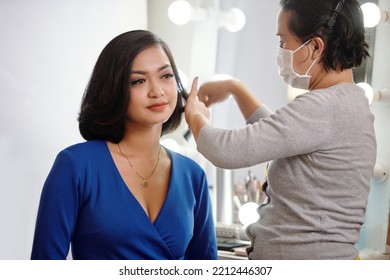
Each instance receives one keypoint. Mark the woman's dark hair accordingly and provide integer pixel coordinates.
(105, 101)
(339, 23)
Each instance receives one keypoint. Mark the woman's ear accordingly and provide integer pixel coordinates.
(319, 46)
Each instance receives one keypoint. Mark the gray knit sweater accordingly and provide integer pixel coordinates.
(322, 149)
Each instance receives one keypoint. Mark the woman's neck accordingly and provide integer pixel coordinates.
(328, 79)
(141, 142)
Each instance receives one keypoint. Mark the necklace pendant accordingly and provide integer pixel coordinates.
(144, 183)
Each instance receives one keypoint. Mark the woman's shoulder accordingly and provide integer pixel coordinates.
(181, 160)
(87, 146)
(85, 156)
(89, 149)
(336, 96)
(187, 173)
(335, 92)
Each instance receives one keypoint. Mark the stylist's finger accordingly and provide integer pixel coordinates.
(194, 89)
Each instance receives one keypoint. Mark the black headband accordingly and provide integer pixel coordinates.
(332, 19)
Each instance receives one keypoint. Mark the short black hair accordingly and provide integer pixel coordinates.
(105, 101)
(339, 23)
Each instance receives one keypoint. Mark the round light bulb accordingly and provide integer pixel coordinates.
(233, 20)
(371, 14)
(171, 144)
(368, 91)
(179, 12)
(380, 172)
(248, 213)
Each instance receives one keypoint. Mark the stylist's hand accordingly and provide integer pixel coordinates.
(214, 92)
(196, 113)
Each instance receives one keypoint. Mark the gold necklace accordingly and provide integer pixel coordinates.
(144, 180)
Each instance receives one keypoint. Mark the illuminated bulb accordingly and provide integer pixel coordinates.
(170, 144)
(371, 14)
(248, 213)
(368, 91)
(382, 96)
(233, 20)
(179, 12)
(292, 92)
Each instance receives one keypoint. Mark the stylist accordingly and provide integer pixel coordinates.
(321, 146)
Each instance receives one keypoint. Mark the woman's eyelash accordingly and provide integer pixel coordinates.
(138, 81)
(169, 75)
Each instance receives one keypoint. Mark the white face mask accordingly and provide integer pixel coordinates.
(284, 60)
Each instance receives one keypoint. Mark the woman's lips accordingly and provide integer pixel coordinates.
(157, 107)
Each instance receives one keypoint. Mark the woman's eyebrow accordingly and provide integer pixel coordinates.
(145, 72)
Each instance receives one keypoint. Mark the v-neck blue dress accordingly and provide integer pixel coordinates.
(86, 203)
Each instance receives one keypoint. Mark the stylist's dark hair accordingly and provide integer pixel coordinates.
(339, 23)
(105, 101)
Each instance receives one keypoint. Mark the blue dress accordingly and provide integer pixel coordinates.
(86, 203)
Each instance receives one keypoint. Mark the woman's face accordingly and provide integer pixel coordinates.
(152, 88)
(302, 57)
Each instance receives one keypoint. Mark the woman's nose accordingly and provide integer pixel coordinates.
(156, 90)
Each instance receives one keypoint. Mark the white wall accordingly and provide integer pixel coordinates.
(47, 51)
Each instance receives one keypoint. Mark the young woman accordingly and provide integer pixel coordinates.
(321, 146)
(120, 194)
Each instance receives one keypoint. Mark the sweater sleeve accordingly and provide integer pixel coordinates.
(301, 127)
(262, 112)
(57, 211)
